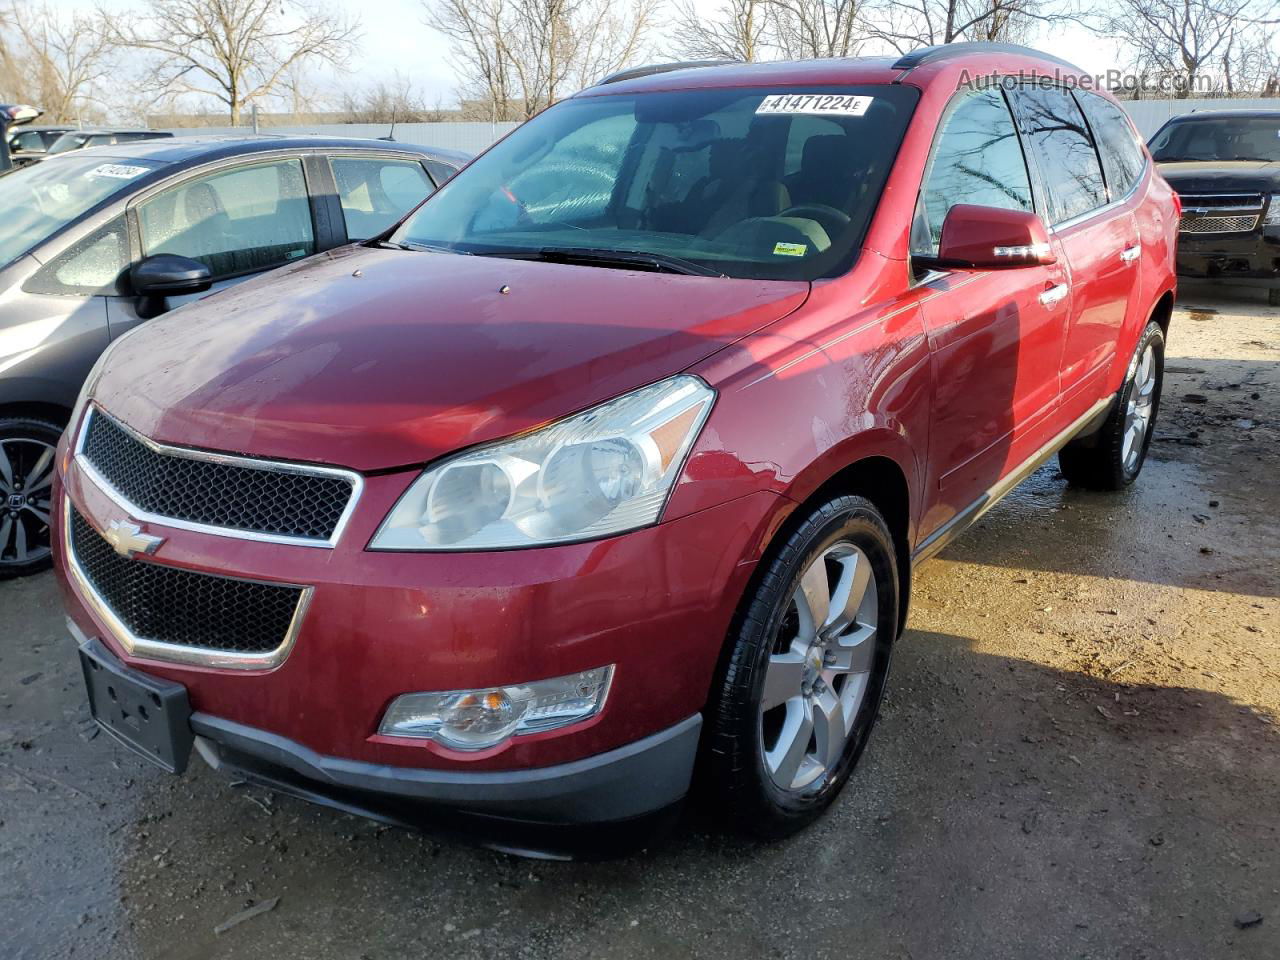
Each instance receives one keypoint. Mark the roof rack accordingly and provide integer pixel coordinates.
(945, 51)
(650, 69)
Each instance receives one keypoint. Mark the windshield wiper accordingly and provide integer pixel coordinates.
(605, 257)
(411, 245)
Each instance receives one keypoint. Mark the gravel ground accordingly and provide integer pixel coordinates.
(1078, 758)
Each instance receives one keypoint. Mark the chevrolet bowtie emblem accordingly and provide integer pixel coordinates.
(127, 538)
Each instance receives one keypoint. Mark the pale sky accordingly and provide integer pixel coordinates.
(395, 39)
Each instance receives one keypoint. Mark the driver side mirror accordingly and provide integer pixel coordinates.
(992, 238)
(165, 275)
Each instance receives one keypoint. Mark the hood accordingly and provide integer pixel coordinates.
(1222, 176)
(370, 358)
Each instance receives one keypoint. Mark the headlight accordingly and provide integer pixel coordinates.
(601, 472)
(478, 719)
(1272, 218)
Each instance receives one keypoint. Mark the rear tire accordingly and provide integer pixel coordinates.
(1273, 296)
(799, 691)
(1112, 458)
(28, 450)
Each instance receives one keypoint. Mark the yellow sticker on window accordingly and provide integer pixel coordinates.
(790, 249)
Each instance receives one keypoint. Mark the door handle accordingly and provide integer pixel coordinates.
(1130, 254)
(1054, 294)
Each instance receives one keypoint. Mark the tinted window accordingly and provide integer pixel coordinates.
(31, 140)
(1218, 138)
(92, 266)
(1056, 132)
(1122, 158)
(234, 221)
(440, 171)
(376, 192)
(976, 159)
(726, 179)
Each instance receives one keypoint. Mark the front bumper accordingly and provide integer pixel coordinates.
(656, 603)
(1250, 257)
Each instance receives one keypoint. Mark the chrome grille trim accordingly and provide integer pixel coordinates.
(168, 652)
(138, 513)
(1201, 223)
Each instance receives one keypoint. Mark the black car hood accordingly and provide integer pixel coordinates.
(1222, 176)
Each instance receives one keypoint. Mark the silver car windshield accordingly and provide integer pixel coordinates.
(41, 199)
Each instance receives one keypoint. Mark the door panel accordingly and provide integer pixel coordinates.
(995, 364)
(1103, 282)
(995, 343)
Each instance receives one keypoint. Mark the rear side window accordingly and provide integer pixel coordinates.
(1059, 139)
(976, 159)
(1122, 159)
(234, 221)
(375, 192)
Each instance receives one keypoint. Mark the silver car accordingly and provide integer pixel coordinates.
(97, 241)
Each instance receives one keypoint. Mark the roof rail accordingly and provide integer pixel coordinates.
(650, 69)
(945, 51)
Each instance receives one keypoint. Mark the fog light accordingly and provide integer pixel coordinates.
(478, 719)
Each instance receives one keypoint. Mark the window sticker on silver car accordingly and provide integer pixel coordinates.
(821, 103)
(117, 171)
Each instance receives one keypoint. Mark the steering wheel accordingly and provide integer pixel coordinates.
(829, 218)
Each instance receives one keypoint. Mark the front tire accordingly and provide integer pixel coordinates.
(800, 688)
(28, 449)
(1112, 458)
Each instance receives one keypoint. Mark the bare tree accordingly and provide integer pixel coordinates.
(907, 24)
(517, 56)
(235, 51)
(66, 57)
(391, 102)
(803, 29)
(738, 30)
(1189, 45)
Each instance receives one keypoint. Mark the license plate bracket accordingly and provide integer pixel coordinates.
(148, 715)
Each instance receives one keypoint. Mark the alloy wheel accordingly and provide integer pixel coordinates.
(1141, 406)
(26, 489)
(818, 671)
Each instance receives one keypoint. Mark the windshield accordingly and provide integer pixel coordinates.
(74, 141)
(1218, 138)
(743, 182)
(41, 199)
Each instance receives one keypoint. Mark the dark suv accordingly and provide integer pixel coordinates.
(1225, 166)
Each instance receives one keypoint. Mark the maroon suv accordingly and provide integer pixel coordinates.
(614, 458)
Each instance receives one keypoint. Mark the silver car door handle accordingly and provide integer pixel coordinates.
(1053, 295)
(1130, 254)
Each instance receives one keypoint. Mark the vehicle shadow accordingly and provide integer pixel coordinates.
(1004, 809)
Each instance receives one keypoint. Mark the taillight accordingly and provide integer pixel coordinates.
(1177, 205)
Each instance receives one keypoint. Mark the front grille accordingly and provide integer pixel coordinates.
(1204, 223)
(167, 605)
(271, 499)
(1251, 200)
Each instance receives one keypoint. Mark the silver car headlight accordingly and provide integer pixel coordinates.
(1272, 218)
(604, 471)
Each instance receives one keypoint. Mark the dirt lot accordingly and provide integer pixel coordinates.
(1078, 758)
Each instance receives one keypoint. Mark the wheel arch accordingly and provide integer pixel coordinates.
(54, 413)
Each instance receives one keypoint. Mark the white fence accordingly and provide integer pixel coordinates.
(1148, 115)
(468, 137)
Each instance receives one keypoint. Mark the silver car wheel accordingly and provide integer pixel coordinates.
(1137, 417)
(26, 489)
(817, 675)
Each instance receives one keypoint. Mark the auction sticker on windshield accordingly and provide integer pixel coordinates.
(825, 103)
(117, 171)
